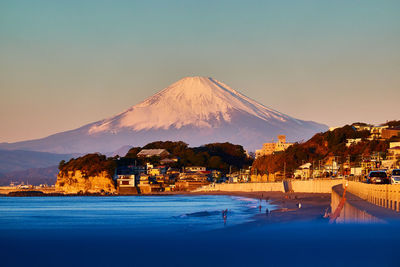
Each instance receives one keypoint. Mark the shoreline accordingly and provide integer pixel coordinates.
(313, 205)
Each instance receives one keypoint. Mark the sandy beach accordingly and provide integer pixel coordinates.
(313, 205)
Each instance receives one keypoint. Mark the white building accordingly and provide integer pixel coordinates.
(126, 180)
(195, 169)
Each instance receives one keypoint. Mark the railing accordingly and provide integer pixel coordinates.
(385, 195)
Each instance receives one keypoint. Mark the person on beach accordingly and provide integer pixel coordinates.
(266, 211)
(259, 206)
(225, 215)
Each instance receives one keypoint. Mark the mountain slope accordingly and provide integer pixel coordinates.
(196, 110)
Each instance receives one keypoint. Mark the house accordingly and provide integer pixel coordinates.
(350, 142)
(394, 153)
(389, 133)
(126, 180)
(376, 132)
(270, 148)
(191, 181)
(126, 184)
(195, 169)
(148, 153)
(169, 161)
(356, 171)
(394, 144)
(331, 166)
(362, 127)
(159, 170)
(303, 172)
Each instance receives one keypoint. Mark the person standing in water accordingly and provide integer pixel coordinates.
(225, 215)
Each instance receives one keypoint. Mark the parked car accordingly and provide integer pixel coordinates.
(378, 177)
(395, 176)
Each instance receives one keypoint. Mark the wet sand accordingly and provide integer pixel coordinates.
(313, 205)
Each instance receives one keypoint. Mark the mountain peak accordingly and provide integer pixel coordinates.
(192, 101)
(197, 110)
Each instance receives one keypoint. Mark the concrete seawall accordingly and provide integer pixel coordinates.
(385, 195)
(310, 186)
(357, 210)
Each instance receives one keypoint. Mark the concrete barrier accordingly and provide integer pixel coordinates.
(243, 187)
(354, 210)
(358, 210)
(314, 186)
(309, 186)
(386, 195)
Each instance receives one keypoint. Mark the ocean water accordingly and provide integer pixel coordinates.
(137, 213)
(179, 231)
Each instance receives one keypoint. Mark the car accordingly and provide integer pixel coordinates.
(378, 177)
(395, 176)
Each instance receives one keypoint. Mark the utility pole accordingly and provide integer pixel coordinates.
(284, 170)
(312, 170)
(319, 168)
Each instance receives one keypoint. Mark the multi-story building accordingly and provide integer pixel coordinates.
(270, 148)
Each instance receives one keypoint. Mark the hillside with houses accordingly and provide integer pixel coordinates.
(352, 150)
(156, 167)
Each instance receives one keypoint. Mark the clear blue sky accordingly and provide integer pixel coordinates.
(67, 63)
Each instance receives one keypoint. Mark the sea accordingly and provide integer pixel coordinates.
(171, 214)
(180, 230)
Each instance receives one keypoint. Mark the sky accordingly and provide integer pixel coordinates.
(64, 64)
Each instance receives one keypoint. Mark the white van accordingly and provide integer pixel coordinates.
(395, 176)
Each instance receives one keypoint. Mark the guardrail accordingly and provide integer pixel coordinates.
(386, 195)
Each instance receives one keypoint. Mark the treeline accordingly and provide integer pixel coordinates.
(319, 147)
(219, 156)
(90, 165)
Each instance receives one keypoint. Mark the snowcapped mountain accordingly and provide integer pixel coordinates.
(197, 110)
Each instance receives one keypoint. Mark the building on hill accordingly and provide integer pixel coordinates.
(376, 132)
(191, 181)
(394, 153)
(159, 170)
(195, 169)
(168, 161)
(148, 153)
(270, 148)
(350, 142)
(394, 144)
(362, 127)
(391, 132)
(126, 184)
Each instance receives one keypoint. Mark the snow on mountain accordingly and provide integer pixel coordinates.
(197, 110)
(197, 101)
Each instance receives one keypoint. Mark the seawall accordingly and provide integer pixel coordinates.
(309, 186)
(357, 210)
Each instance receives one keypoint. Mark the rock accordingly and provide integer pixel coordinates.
(76, 182)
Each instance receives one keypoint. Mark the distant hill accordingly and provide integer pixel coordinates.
(33, 176)
(18, 160)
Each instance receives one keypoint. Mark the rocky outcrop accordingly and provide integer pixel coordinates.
(77, 182)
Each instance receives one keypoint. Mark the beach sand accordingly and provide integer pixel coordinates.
(313, 205)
